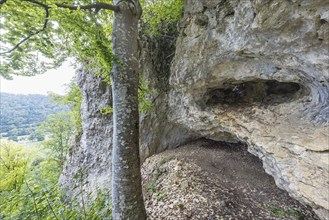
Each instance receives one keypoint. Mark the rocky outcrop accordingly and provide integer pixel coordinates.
(157, 132)
(244, 70)
(89, 163)
(257, 72)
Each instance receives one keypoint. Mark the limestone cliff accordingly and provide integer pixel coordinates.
(88, 164)
(157, 132)
(257, 71)
(251, 71)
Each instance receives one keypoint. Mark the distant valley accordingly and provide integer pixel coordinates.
(21, 114)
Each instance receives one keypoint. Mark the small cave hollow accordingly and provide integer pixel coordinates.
(259, 92)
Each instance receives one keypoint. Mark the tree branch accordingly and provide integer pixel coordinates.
(96, 7)
(35, 33)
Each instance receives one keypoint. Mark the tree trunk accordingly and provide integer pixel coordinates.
(127, 195)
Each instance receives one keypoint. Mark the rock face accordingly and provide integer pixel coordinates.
(244, 70)
(257, 72)
(89, 163)
(157, 132)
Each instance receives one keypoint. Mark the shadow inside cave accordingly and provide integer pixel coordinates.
(259, 92)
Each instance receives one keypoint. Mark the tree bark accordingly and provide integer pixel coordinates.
(127, 198)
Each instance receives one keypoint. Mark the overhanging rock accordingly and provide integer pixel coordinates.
(257, 72)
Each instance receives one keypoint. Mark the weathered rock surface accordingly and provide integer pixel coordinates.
(257, 71)
(89, 164)
(157, 132)
(249, 70)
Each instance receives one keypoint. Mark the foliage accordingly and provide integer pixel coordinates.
(49, 47)
(144, 92)
(59, 129)
(29, 190)
(144, 101)
(36, 136)
(28, 186)
(73, 100)
(159, 14)
(21, 114)
(290, 213)
(15, 16)
(151, 187)
(106, 110)
(14, 162)
(52, 32)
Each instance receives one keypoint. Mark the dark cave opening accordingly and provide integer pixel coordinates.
(259, 92)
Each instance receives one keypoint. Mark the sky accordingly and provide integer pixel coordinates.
(51, 81)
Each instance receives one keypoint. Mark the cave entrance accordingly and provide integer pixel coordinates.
(260, 92)
(230, 181)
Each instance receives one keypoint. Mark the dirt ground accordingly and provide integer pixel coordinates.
(213, 180)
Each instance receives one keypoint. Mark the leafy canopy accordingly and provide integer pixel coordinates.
(14, 161)
(53, 33)
(158, 14)
(39, 35)
(59, 129)
(73, 100)
(29, 188)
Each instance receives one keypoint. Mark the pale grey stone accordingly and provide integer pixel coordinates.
(255, 71)
(259, 72)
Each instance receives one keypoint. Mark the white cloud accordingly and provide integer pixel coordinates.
(52, 80)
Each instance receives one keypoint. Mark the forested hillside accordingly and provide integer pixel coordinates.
(20, 114)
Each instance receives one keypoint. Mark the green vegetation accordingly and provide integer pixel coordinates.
(106, 110)
(144, 92)
(73, 100)
(151, 186)
(166, 160)
(161, 196)
(32, 29)
(158, 15)
(29, 189)
(14, 162)
(280, 213)
(21, 114)
(39, 35)
(29, 174)
(60, 129)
